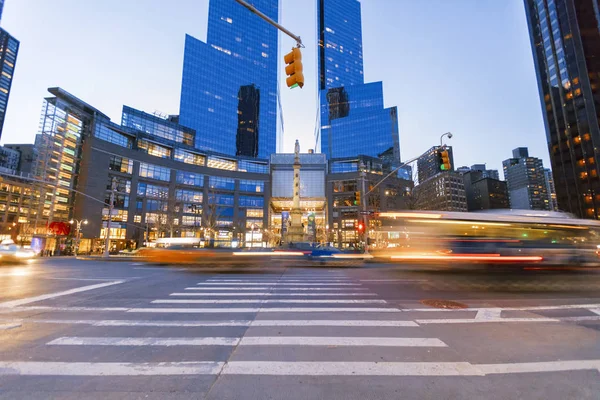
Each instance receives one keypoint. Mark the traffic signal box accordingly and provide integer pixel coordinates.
(293, 68)
(444, 160)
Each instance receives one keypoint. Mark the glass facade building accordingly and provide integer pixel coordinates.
(9, 48)
(565, 39)
(229, 91)
(351, 112)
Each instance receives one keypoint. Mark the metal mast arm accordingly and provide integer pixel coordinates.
(270, 21)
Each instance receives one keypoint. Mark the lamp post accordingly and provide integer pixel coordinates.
(449, 134)
(78, 231)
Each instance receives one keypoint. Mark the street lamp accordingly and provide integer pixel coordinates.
(449, 134)
(78, 222)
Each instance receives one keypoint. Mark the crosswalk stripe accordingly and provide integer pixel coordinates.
(275, 288)
(9, 325)
(274, 284)
(109, 369)
(304, 368)
(271, 281)
(261, 310)
(239, 294)
(249, 341)
(230, 323)
(270, 301)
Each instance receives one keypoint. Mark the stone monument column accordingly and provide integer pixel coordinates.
(296, 232)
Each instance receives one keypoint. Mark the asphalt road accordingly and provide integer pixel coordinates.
(74, 329)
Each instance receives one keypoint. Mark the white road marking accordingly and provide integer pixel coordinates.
(9, 325)
(275, 281)
(229, 323)
(395, 280)
(20, 302)
(249, 341)
(49, 308)
(523, 308)
(339, 341)
(274, 289)
(262, 310)
(275, 284)
(272, 368)
(144, 341)
(87, 279)
(314, 368)
(270, 301)
(551, 366)
(595, 310)
(488, 314)
(479, 321)
(109, 369)
(239, 294)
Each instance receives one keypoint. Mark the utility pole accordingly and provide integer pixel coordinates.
(270, 21)
(111, 205)
(363, 177)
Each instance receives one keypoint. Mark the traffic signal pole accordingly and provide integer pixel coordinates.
(270, 21)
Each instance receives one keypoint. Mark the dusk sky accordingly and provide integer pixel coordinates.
(463, 66)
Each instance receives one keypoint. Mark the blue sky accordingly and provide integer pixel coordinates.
(463, 66)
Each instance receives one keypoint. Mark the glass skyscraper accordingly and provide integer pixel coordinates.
(565, 39)
(353, 118)
(9, 47)
(229, 91)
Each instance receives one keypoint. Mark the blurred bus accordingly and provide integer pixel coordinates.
(512, 236)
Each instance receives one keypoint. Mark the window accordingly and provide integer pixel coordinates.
(117, 215)
(103, 132)
(137, 219)
(252, 186)
(191, 220)
(252, 166)
(189, 157)
(217, 182)
(221, 163)
(120, 164)
(120, 200)
(254, 213)
(154, 149)
(155, 172)
(187, 178)
(156, 205)
(222, 199)
(156, 126)
(191, 196)
(122, 185)
(252, 201)
(149, 190)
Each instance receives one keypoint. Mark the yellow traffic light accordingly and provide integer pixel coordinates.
(444, 160)
(356, 198)
(294, 68)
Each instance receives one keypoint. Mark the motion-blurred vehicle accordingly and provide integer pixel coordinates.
(518, 237)
(15, 254)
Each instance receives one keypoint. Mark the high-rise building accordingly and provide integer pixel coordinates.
(9, 159)
(229, 90)
(442, 192)
(428, 164)
(483, 191)
(485, 173)
(26, 155)
(550, 189)
(565, 39)
(9, 48)
(526, 181)
(351, 112)
(1, 8)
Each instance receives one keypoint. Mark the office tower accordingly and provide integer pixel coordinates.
(26, 154)
(442, 192)
(526, 181)
(428, 163)
(1, 8)
(485, 173)
(9, 159)
(550, 189)
(229, 90)
(565, 39)
(353, 118)
(484, 190)
(9, 48)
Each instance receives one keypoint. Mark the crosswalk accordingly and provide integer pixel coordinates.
(325, 324)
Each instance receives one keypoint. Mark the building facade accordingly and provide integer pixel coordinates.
(9, 49)
(484, 192)
(352, 113)
(229, 90)
(442, 192)
(551, 190)
(345, 196)
(9, 159)
(565, 39)
(26, 156)
(526, 181)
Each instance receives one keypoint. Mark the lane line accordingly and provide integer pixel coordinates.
(275, 284)
(524, 308)
(320, 369)
(249, 341)
(269, 301)
(228, 323)
(271, 281)
(20, 302)
(9, 325)
(274, 289)
(271, 368)
(144, 341)
(88, 279)
(50, 308)
(479, 321)
(262, 310)
(33, 368)
(269, 294)
(595, 310)
(395, 280)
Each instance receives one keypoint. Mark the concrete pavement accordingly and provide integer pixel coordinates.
(91, 329)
